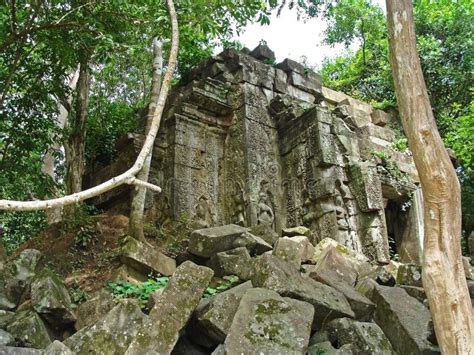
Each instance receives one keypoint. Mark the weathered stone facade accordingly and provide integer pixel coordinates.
(267, 147)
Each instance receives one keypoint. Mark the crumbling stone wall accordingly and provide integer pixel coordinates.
(267, 146)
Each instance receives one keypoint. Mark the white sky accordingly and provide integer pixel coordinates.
(290, 38)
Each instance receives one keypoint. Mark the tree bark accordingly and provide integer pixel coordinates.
(75, 144)
(139, 193)
(129, 176)
(443, 274)
(54, 215)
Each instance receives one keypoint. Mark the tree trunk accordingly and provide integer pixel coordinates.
(139, 193)
(53, 215)
(75, 144)
(443, 274)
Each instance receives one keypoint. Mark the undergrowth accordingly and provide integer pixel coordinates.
(141, 291)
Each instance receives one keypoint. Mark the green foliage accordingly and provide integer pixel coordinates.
(41, 43)
(461, 133)
(222, 286)
(18, 227)
(78, 295)
(390, 167)
(83, 224)
(141, 291)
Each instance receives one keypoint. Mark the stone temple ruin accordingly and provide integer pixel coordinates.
(267, 146)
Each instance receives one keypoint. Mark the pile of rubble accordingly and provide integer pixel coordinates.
(294, 298)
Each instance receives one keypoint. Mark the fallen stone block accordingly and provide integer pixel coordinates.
(16, 276)
(11, 350)
(172, 310)
(6, 318)
(416, 292)
(112, 334)
(336, 258)
(308, 248)
(404, 320)
(213, 317)
(364, 337)
(145, 259)
(50, 299)
(6, 339)
(362, 306)
(209, 241)
(277, 275)
(29, 329)
(290, 251)
(94, 309)
(232, 262)
(267, 323)
(57, 348)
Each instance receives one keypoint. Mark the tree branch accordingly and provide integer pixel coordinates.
(146, 149)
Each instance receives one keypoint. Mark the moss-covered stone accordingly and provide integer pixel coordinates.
(172, 310)
(213, 317)
(6, 339)
(6, 318)
(50, 298)
(111, 335)
(275, 274)
(268, 323)
(29, 329)
(365, 338)
(15, 278)
(145, 259)
(405, 321)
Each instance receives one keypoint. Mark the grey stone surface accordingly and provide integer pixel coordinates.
(6, 339)
(213, 317)
(145, 259)
(50, 299)
(57, 348)
(379, 118)
(277, 275)
(362, 306)
(404, 320)
(364, 337)
(262, 147)
(290, 251)
(10, 350)
(110, 335)
(94, 309)
(209, 241)
(263, 53)
(29, 329)
(15, 278)
(267, 323)
(232, 262)
(409, 275)
(295, 231)
(416, 292)
(172, 310)
(6, 318)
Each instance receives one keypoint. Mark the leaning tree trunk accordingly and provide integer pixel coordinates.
(74, 146)
(443, 274)
(139, 193)
(53, 215)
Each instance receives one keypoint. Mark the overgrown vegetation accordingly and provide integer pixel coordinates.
(142, 291)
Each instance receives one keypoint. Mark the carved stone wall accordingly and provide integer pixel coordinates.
(267, 146)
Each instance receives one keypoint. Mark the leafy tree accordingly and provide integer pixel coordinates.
(40, 46)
